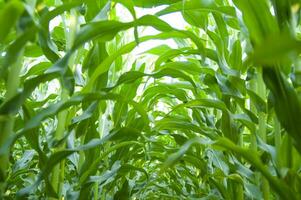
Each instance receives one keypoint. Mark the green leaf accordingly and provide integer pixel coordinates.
(152, 3)
(198, 5)
(9, 15)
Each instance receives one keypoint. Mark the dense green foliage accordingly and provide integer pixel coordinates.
(214, 113)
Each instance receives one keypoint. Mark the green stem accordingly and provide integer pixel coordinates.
(277, 138)
(58, 174)
(262, 129)
(253, 109)
(103, 196)
(239, 191)
(57, 178)
(7, 125)
(289, 153)
(96, 189)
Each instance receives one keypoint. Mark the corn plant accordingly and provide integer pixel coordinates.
(111, 99)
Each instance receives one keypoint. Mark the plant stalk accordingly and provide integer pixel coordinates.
(277, 139)
(58, 175)
(262, 129)
(7, 125)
